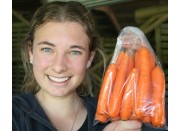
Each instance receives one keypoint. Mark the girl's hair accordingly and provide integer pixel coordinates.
(59, 12)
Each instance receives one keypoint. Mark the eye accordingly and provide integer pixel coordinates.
(47, 50)
(75, 53)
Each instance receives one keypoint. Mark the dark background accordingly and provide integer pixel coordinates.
(111, 16)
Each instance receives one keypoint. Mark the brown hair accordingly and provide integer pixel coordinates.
(59, 12)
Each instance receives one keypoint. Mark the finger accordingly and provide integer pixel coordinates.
(131, 124)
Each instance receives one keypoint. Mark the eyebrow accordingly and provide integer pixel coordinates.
(46, 43)
(51, 44)
(78, 46)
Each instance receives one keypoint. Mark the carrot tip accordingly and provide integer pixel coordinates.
(101, 118)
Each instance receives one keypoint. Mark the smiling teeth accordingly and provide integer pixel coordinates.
(55, 79)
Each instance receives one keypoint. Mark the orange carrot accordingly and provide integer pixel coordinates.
(152, 60)
(158, 81)
(107, 85)
(143, 87)
(146, 119)
(128, 97)
(136, 59)
(149, 107)
(116, 96)
(133, 116)
(103, 118)
(130, 63)
(120, 56)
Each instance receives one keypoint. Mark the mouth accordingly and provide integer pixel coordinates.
(58, 79)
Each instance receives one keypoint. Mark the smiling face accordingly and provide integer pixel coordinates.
(60, 55)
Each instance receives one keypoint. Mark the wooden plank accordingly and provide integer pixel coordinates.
(164, 25)
(148, 22)
(16, 58)
(164, 31)
(164, 44)
(164, 56)
(156, 24)
(111, 15)
(164, 52)
(20, 17)
(150, 11)
(164, 38)
(158, 43)
(108, 51)
(165, 60)
(109, 39)
(19, 24)
(19, 35)
(109, 45)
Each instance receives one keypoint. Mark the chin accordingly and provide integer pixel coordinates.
(60, 93)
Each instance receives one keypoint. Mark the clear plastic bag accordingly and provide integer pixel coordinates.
(133, 86)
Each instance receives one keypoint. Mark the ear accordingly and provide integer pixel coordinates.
(30, 51)
(91, 57)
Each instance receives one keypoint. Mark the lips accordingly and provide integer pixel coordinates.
(58, 79)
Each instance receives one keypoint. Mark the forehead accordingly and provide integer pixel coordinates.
(64, 32)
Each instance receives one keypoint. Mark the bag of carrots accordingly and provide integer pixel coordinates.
(133, 86)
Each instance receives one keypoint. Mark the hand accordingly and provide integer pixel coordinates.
(130, 125)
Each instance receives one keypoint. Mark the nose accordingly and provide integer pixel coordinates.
(59, 63)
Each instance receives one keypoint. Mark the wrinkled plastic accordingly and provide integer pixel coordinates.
(133, 86)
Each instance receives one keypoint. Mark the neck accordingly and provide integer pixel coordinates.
(64, 106)
(65, 113)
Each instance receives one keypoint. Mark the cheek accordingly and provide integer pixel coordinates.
(79, 66)
(40, 62)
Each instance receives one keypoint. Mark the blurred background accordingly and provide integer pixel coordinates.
(151, 16)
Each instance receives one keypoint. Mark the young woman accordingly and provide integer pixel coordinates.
(57, 52)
